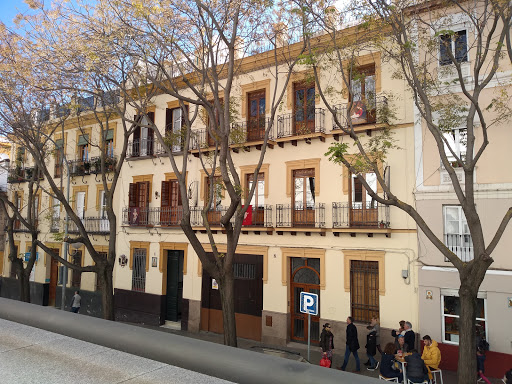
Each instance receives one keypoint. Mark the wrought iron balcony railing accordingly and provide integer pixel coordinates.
(360, 215)
(55, 225)
(93, 225)
(169, 216)
(298, 124)
(140, 216)
(249, 131)
(18, 226)
(79, 167)
(22, 174)
(371, 111)
(95, 164)
(299, 216)
(161, 149)
(140, 148)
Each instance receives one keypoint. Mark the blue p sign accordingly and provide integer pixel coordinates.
(309, 303)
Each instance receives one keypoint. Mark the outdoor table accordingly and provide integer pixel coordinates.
(402, 361)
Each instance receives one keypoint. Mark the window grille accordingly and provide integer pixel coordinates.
(364, 290)
(139, 270)
(244, 271)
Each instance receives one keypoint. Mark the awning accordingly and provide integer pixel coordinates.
(109, 135)
(59, 143)
(83, 140)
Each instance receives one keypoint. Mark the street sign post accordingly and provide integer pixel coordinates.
(309, 305)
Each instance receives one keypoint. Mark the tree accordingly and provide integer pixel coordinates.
(194, 52)
(409, 35)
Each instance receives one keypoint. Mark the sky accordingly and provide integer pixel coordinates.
(9, 9)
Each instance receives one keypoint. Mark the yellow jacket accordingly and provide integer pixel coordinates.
(431, 356)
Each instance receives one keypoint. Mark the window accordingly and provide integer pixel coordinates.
(256, 116)
(363, 209)
(304, 197)
(212, 128)
(455, 45)
(139, 270)
(304, 108)
(363, 95)
(142, 144)
(55, 215)
(217, 194)
(258, 198)
(138, 197)
(457, 140)
(171, 211)
(58, 158)
(76, 277)
(451, 313)
(364, 290)
(83, 148)
(456, 232)
(104, 223)
(109, 143)
(174, 121)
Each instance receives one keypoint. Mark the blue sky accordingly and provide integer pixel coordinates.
(9, 9)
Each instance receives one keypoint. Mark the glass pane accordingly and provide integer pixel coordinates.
(262, 106)
(463, 142)
(451, 329)
(296, 295)
(253, 200)
(450, 139)
(311, 103)
(310, 192)
(461, 47)
(306, 276)
(297, 262)
(369, 89)
(254, 108)
(480, 309)
(451, 213)
(481, 330)
(299, 105)
(356, 89)
(315, 264)
(299, 192)
(451, 305)
(261, 193)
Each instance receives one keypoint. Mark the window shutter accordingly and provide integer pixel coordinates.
(168, 120)
(132, 195)
(166, 201)
(143, 194)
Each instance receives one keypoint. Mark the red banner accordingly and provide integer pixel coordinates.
(248, 216)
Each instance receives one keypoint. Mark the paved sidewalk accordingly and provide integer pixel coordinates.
(33, 356)
(449, 377)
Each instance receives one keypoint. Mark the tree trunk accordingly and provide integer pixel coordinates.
(24, 282)
(467, 341)
(227, 297)
(107, 291)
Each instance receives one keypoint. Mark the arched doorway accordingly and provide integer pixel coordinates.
(304, 277)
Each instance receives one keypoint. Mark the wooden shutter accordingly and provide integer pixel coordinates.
(132, 195)
(143, 194)
(166, 201)
(175, 196)
(168, 120)
(136, 133)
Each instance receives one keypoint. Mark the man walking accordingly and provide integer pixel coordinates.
(352, 345)
(75, 303)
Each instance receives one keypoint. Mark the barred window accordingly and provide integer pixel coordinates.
(139, 270)
(244, 271)
(364, 290)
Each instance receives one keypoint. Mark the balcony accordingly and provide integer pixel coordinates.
(297, 218)
(161, 149)
(140, 216)
(169, 216)
(93, 225)
(201, 139)
(95, 164)
(140, 148)
(295, 126)
(250, 133)
(461, 245)
(362, 114)
(22, 174)
(55, 224)
(18, 226)
(79, 167)
(361, 217)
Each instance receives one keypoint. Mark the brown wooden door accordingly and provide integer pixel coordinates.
(258, 199)
(304, 109)
(54, 275)
(303, 198)
(305, 277)
(256, 116)
(171, 211)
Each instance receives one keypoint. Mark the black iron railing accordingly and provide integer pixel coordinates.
(79, 167)
(295, 124)
(169, 216)
(299, 216)
(371, 111)
(22, 174)
(93, 225)
(95, 164)
(201, 138)
(55, 224)
(360, 215)
(140, 216)
(18, 226)
(140, 148)
(258, 217)
(251, 130)
(161, 149)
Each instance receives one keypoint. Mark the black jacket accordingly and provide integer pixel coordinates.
(410, 339)
(415, 366)
(325, 339)
(352, 342)
(371, 343)
(405, 348)
(386, 365)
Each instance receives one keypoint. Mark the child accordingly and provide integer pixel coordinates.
(480, 359)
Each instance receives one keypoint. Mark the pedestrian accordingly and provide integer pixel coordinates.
(371, 348)
(395, 333)
(480, 360)
(375, 324)
(75, 302)
(327, 341)
(431, 355)
(402, 346)
(387, 364)
(417, 371)
(352, 345)
(409, 335)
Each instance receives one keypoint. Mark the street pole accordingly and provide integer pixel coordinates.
(309, 334)
(66, 244)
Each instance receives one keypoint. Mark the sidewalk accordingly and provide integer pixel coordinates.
(449, 377)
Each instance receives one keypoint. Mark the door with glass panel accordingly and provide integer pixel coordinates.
(304, 277)
(256, 121)
(258, 199)
(303, 203)
(363, 208)
(104, 223)
(304, 109)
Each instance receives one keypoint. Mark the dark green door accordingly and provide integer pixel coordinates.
(174, 285)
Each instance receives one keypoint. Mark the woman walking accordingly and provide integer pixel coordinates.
(327, 341)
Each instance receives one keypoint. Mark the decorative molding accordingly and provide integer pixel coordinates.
(140, 244)
(256, 86)
(249, 169)
(365, 255)
(302, 252)
(302, 164)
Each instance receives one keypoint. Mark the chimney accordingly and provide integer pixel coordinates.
(280, 34)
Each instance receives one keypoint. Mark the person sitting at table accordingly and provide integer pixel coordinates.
(417, 371)
(431, 355)
(401, 345)
(387, 364)
(395, 333)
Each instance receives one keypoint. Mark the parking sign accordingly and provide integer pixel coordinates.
(309, 303)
